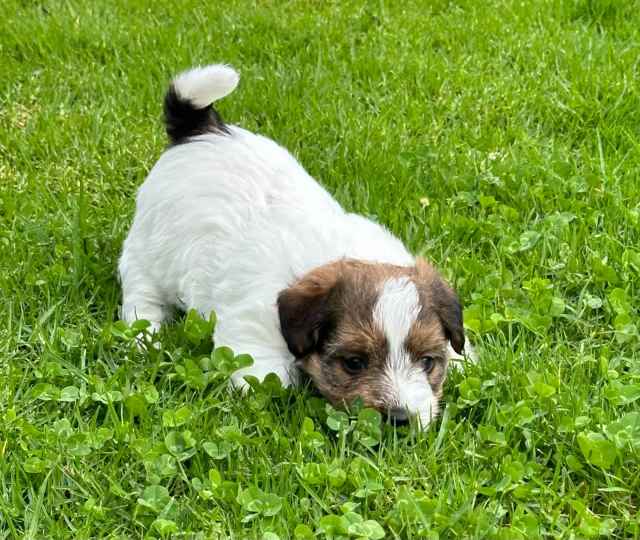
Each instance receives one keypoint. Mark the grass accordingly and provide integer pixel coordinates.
(499, 139)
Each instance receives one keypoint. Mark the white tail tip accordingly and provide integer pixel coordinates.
(202, 86)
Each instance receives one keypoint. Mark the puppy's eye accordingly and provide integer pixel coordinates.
(428, 363)
(354, 364)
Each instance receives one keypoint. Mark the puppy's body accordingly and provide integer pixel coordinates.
(227, 219)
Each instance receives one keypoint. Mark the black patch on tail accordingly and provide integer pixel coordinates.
(183, 120)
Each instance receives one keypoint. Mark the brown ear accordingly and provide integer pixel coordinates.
(450, 312)
(304, 310)
(446, 304)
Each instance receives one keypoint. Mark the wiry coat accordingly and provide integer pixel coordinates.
(227, 219)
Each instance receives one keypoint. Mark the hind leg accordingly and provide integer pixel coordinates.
(141, 299)
(138, 307)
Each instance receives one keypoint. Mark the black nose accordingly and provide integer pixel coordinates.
(397, 415)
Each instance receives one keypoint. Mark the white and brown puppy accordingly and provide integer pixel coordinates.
(229, 221)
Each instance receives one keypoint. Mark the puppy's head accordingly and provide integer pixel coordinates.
(375, 331)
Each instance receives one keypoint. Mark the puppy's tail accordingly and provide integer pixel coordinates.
(188, 109)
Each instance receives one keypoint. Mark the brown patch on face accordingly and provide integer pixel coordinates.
(427, 339)
(327, 318)
(355, 337)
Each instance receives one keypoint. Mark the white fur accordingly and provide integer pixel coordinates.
(202, 86)
(396, 311)
(225, 222)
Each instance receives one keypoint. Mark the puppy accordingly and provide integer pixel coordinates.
(229, 221)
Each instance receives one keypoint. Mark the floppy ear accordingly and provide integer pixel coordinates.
(446, 304)
(304, 310)
(450, 312)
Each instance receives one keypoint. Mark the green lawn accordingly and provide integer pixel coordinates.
(500, 139)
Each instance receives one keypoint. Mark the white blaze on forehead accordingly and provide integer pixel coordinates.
(395, 312)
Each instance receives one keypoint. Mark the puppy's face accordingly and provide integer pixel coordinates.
(375, 331)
